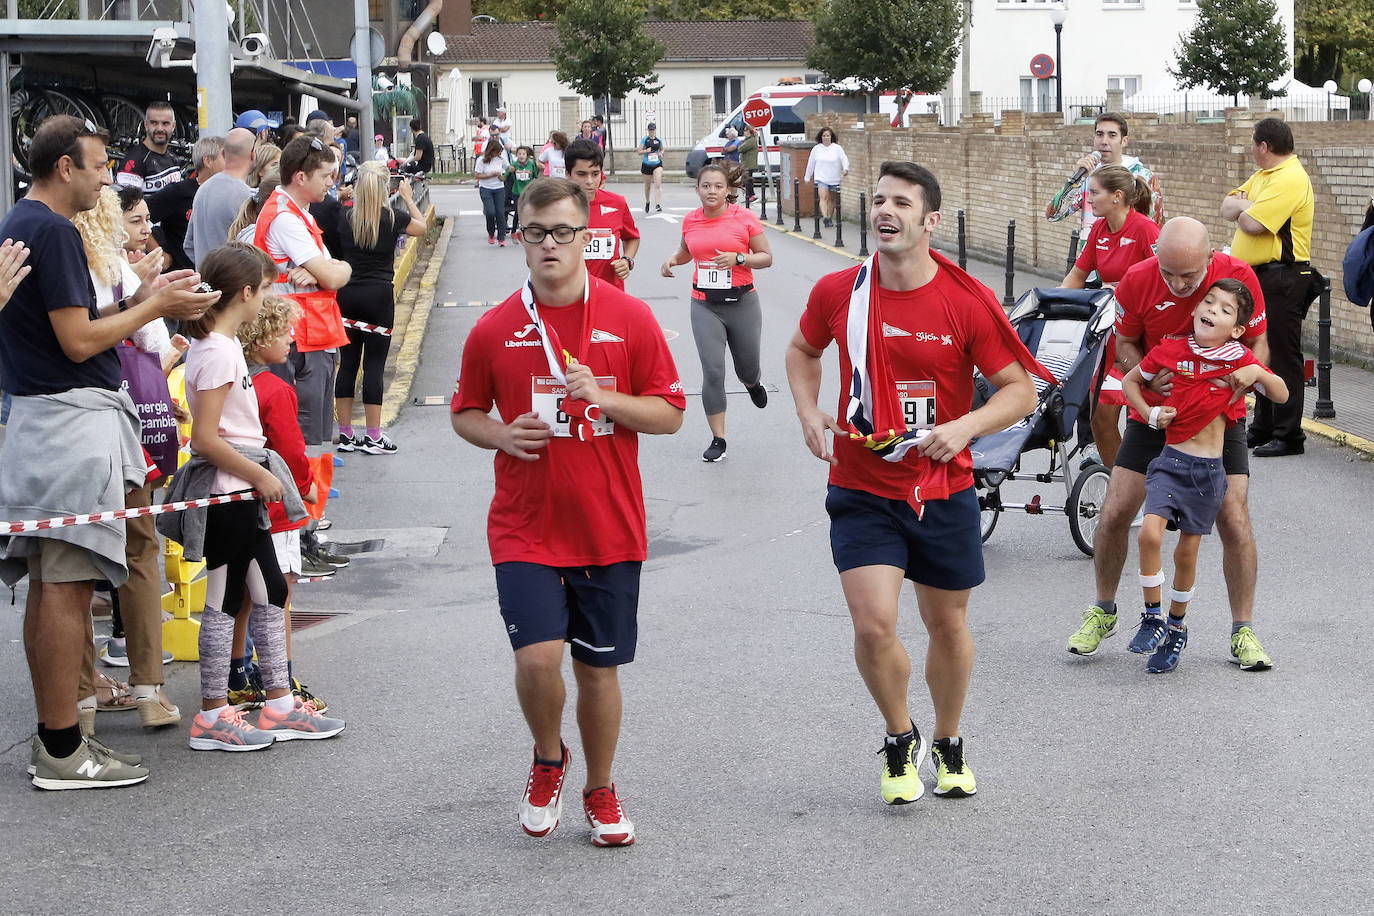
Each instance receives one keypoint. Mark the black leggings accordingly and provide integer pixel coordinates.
(373, 303)
(233, 539)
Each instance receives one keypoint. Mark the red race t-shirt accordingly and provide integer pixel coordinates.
(1195, 397)
(1146, 308)
(581, 503)
(1112, 253)
(731, 231)
(935, 336)
(611, 224)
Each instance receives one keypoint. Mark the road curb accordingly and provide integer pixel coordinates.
(1314, 427)
(408, 357)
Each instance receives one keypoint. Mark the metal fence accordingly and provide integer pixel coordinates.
(1181, 106)
(531, 122)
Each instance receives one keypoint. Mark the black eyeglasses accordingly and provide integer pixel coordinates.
(563, 235)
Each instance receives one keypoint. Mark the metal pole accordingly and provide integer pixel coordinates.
(963, 244)
(1058, 69)
(863, 225)
(839, 223)
(1324, 408)
(1073, 249)
(1010, 298)
(214, 95)
(796, 205)
(362, 44)
(777, 188)
(6, 135)
(763, 195)
(816, 210)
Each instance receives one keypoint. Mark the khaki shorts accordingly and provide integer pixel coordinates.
(58, 561)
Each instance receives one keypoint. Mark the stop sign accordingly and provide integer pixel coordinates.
(758, 113)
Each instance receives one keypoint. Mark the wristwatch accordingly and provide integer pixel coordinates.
(631, 261)
(739, 259)
(123, 305)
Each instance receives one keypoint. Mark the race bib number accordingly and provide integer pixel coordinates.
(546, 399)
(653, 159)
(558, 171)
(523, 174)
(918, 404)
(601, 247)
(709, 276)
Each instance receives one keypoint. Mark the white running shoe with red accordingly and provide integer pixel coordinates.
(610, 826)
(542, 805)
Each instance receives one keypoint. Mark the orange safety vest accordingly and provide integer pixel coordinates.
(320, 326)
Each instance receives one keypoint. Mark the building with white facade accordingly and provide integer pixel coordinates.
(1105, 44)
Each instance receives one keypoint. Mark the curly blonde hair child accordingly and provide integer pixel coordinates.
(274, 319)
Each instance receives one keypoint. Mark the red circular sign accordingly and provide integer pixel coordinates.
(758, 113)
(1042, 66)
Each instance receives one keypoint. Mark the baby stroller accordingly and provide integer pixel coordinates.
(1067, 330)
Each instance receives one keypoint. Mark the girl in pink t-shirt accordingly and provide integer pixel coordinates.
(239, 556)
(727, 244)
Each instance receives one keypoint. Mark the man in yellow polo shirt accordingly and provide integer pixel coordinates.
(1273, 216)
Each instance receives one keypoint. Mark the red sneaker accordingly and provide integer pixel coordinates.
(542, 805)
(610, 826)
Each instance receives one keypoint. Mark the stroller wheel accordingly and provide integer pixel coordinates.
(990, 507)
(1085, 505)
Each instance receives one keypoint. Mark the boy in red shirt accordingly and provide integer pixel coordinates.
(1185, 485)
(610, 252)
(266, 342)
(566, 526)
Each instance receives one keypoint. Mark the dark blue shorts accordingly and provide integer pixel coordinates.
(1185, 489)
(942, 550)
(595, 608)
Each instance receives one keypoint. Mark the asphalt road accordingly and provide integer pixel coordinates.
(747, 758)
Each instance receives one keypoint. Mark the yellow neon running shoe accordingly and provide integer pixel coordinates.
(901, 782)
(953, 778)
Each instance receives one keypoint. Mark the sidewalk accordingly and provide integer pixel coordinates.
(1352, 387)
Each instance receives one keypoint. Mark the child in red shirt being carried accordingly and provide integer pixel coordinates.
(1185, 485)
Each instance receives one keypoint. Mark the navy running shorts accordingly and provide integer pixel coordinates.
(1142, 444)
(942, 550)
(1186, 490)
(595, 608)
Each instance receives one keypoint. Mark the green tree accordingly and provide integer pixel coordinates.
(1333, 41)
(900, 46)
(603, 51)
(1236, 47)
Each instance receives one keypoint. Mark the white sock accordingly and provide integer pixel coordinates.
(208, 717)
(282, 705)
(86, 703)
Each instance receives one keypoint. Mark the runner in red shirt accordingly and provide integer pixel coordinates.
(1156, 299)
(921, 325)
(1120, 237)
(576, 369)
(610, 255)
(727, 244)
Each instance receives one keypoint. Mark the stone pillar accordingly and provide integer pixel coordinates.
(569, 107)
(975, 102)
(1116, 100)
(703, 116)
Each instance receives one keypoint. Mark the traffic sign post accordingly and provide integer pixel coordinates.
(757, 114)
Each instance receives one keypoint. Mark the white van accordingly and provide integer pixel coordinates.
(791, 104)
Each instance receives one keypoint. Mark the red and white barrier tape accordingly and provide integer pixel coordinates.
(364, 326)
(66, 521)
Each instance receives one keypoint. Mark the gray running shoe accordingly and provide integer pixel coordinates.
(91, 767)
(301, 722)
(229, 733)
(314, 566)
(131, 759)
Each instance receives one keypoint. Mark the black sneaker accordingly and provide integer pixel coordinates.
(715, 451)
(348, 443)
(658, 208)
(759, 395)
(646, 206)
(382, 445)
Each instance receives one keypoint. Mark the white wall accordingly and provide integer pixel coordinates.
(1101, 38)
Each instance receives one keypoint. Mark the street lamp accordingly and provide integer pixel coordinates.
(1330, 87)
(1058, 13)
(1364, 86)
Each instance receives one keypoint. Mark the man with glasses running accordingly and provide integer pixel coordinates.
(576, 369)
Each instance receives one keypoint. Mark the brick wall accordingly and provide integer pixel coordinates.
(1010, 171)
